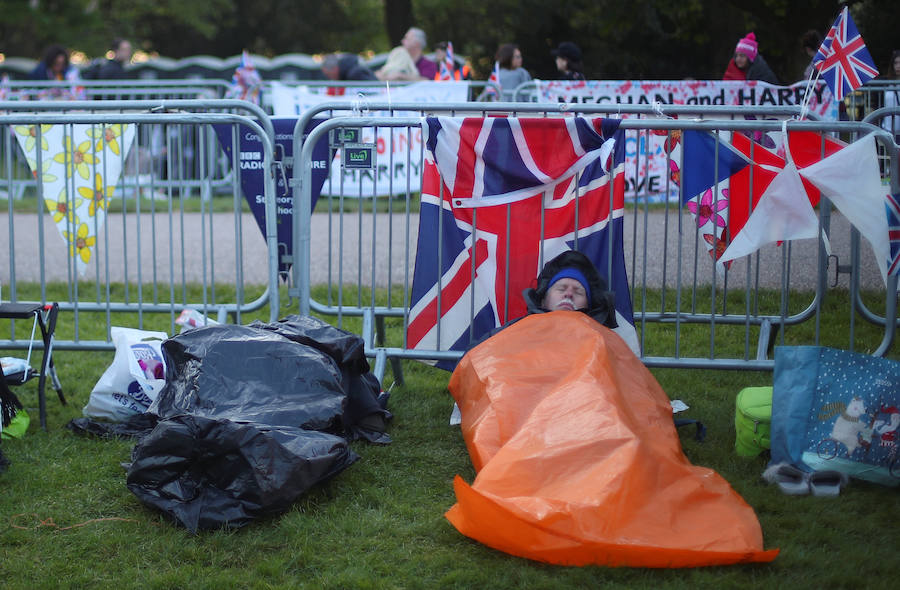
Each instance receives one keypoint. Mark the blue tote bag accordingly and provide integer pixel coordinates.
(835, 409)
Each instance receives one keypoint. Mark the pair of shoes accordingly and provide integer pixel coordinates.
(796, 482)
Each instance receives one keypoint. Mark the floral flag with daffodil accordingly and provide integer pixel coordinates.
(80, 166)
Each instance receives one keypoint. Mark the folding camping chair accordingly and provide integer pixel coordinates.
(43, 317)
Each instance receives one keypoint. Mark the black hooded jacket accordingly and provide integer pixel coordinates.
(601, 307)
(350, 68)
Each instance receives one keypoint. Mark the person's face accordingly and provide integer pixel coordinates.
(561, 64)
(741, 60)
(566, 294)
(410, 42)
(59, 64)
(897, 66)
(123, 53)
(440, 55)
(330, 73)
(517, 59)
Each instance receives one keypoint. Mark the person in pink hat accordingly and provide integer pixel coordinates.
(748, 64)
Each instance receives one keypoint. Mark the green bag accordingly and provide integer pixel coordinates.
(17, 426)
(753, 420)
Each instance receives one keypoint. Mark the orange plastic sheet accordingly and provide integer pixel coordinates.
(577, 457)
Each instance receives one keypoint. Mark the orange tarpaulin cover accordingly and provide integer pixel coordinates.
(577, 457)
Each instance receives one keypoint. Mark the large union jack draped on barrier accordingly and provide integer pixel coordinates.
(474, 258)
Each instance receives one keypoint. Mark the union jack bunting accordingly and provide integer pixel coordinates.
(473, 262)
(892, 204)
(843, 59)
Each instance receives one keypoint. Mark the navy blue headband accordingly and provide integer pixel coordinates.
(572, 273)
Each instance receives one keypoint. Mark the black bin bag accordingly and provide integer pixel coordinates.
(251, 417)
(208, 474)
(245, 373)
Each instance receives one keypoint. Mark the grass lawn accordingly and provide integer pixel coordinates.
(68, 521)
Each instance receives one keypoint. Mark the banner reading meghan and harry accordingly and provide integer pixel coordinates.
(645, 156)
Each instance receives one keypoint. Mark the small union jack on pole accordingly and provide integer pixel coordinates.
(843, 59)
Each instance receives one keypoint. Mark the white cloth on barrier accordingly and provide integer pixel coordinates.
(851, 179)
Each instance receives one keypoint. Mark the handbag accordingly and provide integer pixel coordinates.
(836, 409)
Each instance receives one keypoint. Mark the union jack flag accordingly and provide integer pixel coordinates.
(474, 259)
(843, 59)
(892, 204)
(494, 78)
(447, 65)
(245, 82)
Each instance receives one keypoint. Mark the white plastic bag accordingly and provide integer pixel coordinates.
(133, 380)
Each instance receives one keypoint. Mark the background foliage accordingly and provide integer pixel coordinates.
(640, 39)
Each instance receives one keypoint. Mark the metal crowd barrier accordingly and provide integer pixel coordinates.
(148, 254)
(113, 89)
(869, 97)
(348, 189)
(181, 163)
(775, 296)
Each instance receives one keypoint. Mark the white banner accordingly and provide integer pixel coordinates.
(397, 166)
(645, 161)
(293, 101)
(689, 92)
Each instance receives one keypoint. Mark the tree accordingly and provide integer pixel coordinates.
(640, 39)
(398, 18)
(648, 39)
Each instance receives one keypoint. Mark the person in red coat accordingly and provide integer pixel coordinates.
(748, 64)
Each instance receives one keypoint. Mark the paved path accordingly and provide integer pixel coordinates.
(200, 247)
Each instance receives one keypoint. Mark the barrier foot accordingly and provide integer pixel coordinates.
(766, 343)
(397, 370)
(378, 371)
(396, 367)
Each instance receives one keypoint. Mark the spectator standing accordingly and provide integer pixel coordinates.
(511, 71)
(568, 61)
(892, 97)
(811, 40)
(345, 66)
(54, 66)
(118, 56)
(408, 61)
(748, 64)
